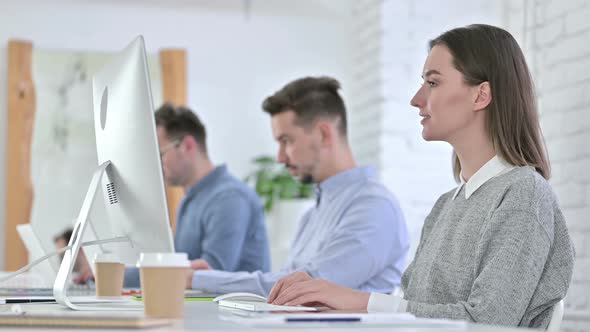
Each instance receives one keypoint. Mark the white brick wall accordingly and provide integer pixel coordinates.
(365, 102)
(390, 48)
(559, 47)
(417, 171)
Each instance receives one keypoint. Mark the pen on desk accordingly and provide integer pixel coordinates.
(10, 301)
(323, 319)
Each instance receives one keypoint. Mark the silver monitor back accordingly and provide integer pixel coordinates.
(133, 185)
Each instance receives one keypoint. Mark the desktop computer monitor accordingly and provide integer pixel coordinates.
(133, 186)
(129, 170)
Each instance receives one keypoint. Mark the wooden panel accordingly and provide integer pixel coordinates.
(20, 120)
(173, 66)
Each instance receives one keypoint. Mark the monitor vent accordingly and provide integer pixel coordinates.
(112, 193)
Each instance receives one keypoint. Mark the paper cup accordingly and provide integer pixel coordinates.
(163, 279)
(109, 274)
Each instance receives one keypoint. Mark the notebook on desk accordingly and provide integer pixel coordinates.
(79, 319)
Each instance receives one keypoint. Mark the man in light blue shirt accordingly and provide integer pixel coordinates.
(355, 235)
(220, 221)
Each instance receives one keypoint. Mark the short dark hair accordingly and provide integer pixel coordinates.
(310, 98)
(180, 121)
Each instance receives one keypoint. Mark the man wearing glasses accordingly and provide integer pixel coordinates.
(220, 221)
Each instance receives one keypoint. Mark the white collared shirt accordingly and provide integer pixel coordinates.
(494, 167)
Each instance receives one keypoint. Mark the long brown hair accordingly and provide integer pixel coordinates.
(484, 53)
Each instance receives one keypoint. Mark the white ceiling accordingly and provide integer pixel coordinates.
(312, 8)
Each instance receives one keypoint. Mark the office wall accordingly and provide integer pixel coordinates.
(390, 48)
(557, 38)
(236, 55)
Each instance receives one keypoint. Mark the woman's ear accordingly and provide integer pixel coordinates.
(483, 96)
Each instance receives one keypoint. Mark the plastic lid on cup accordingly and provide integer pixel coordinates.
(163, 259)
(107, 257)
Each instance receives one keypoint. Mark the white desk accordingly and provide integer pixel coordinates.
(205, 316)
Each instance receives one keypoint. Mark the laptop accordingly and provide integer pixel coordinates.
(29, 283)
(48, 268)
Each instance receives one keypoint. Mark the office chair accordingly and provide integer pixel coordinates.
(556, 317)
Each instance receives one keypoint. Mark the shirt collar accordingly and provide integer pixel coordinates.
(334, 184)
(494, 167)
(212, 177)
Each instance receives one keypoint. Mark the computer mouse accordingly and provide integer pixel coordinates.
(240, 297)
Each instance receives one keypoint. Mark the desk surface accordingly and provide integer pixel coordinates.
(205, 316)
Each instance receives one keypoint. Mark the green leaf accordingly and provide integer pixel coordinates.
(264, 186)
(272, 181)
(264, 160)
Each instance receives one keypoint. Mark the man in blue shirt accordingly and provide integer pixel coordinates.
(220, 221)
(355, 235)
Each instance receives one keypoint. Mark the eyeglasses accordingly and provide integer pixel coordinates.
(172, 145)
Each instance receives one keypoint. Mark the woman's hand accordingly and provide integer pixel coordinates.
(300, 289)
(285, 283)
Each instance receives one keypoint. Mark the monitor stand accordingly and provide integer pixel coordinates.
(67, 265)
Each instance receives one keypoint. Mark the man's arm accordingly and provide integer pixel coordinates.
(371, 235)
(229, 282)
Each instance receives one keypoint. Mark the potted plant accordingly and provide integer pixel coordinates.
(273, 182)
(285, 201)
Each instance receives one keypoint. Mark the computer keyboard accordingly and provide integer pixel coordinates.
(79, 290)
(27, 283)
(24, 280)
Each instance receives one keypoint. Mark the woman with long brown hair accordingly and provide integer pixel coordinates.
(495, 249)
